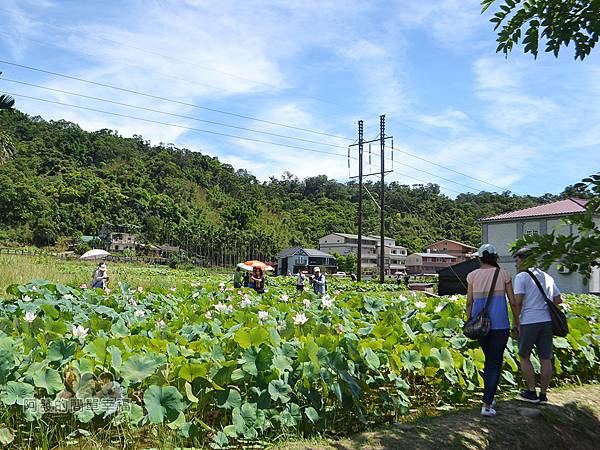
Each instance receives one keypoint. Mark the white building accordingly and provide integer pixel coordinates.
(504, 229)
(344, 244)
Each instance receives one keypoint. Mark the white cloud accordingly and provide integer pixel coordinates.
(451, 119)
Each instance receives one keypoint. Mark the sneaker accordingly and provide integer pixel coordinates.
(543, 399)
(488, 412)
(529, 396)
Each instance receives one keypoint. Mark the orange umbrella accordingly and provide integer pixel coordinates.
(256, 263)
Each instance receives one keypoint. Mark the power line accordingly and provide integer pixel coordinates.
(172, 58)
(156, 97)
(250, 118)
(428, 182)
(178, 126)
(170, 114)
(445, 167)
(433, 174)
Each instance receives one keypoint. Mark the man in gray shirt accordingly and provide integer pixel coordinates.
(535, 324)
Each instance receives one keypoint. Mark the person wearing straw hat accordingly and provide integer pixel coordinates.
(100, 277)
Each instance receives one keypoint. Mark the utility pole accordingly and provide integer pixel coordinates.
(360, 189)
(382, 200)
(360, 177)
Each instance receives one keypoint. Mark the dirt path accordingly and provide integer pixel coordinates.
(571, 421)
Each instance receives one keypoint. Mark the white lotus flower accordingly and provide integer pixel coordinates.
(195, 294)
(300, 319)
(208, 315)
(245, 303)
(284, 298)
(439, 307)
(79, 331)
(139, 313)
(339, 328)
(68, 297)
(29, 316)
(326, 302)
(221, 284)
(402, 298)
(132, 302)
(173, 289)
(421, 305)
(306, 303)
(27, 298)
(337, 292)
(263, 315)
(195, 284)
(229, 309)
(140, 289)
(221, 307)
(33, 288)
(454, 298)
(160, 323)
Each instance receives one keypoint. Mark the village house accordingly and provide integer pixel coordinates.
(504, 229)
(123, 241)
(344, 244)
(428, 263)
(462, 252)
(296, 259)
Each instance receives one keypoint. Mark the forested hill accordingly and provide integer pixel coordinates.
(59, 180)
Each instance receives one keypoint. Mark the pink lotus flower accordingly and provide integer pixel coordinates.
(240, 292)
(83, 286)
(173, 289)
(208, 315)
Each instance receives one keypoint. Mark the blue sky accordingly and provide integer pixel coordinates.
(525, 125)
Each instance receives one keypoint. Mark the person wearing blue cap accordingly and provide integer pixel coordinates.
(488, 288)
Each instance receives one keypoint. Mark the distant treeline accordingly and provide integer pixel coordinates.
(59, 180)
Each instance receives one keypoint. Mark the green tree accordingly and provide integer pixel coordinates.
(579, 252)
(554, 23)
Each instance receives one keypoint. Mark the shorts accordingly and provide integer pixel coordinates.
(538, 334)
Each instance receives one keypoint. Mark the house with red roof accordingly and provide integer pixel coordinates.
(504, 229)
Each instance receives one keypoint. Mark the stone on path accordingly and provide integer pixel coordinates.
(528, 412)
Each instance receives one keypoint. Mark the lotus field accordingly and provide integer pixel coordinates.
(225, 367)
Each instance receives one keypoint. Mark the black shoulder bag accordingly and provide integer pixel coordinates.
(560, 326)
(480, 325)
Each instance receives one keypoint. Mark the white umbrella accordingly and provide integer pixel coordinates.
(244, 267)
(95, 254)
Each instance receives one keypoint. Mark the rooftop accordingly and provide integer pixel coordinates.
(559, 208)
(308, 251)
(456, 242)
(438, 255)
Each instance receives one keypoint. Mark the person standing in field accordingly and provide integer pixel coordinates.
(100, 277)
(318, 282)
(490, 278)
(536, 324)
(300, 280)
(238, 278)
(258, 280)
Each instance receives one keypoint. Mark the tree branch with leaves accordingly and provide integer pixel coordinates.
(553, 23)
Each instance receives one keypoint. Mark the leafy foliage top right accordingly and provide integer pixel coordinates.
(557, 22)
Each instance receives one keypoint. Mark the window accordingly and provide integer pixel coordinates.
(532, 233)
